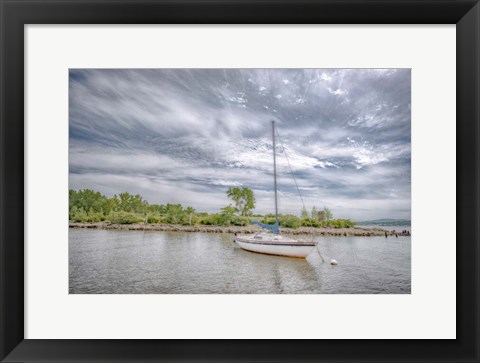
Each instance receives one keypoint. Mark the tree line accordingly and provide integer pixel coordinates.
(87, 205)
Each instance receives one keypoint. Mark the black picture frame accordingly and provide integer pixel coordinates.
(15, 14)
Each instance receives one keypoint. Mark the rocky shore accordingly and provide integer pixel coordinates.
(357, 231)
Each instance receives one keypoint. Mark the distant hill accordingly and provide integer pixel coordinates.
(386, 222)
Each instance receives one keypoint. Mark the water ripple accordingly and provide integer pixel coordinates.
(132, 262)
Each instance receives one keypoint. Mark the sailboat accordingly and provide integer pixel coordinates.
(274, 243)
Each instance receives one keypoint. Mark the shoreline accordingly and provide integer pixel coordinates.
(339, 232)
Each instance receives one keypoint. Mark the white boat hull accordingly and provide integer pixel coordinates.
(284, 247)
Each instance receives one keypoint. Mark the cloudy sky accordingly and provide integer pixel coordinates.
(187, 135)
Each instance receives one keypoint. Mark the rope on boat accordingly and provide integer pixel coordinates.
(318, 250)
(296, 184)
(290, 168)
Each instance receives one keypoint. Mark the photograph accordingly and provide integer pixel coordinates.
(239, 181)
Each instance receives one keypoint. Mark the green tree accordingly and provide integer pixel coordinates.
(189, 214)
(304, 213)
(174, 213)
(228, 214)
(229, 210)
(314, 213)
(110, 205)
(145, 210)
(321, 216)
(243, 198)
(132, 203)
(157, 208)
(86, 199)
(77, 214)
(327, 214)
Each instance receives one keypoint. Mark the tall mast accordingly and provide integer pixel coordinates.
(275, 176)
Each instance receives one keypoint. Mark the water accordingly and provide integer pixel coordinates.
(132, 262)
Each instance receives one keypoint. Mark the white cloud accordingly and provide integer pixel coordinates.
(325, 77)
(337, 92)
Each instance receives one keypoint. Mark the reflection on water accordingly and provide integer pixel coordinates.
(130, 262)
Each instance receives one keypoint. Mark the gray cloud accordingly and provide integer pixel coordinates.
(187, 135)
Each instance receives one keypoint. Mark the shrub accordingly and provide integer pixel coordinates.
(309, 222)
(94, 216)
(240, 221)
(209, 220)
(289, 221)
(155, 218)
(222, 219)
(77, 214)
(268, 219)
(125, 217)
(342, 223)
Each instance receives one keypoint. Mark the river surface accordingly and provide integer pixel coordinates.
(132, 262)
